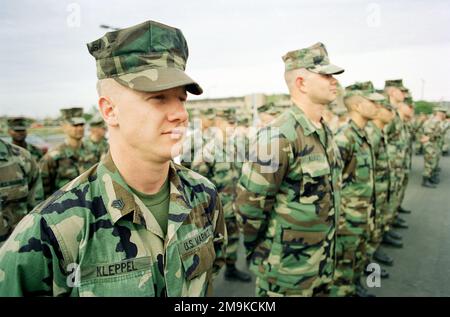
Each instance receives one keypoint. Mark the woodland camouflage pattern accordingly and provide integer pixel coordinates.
(20, 187)
(314, 58)
(432, 129)
(99, 149)
(147, 57)
(62, 164)
(382, 183)
(217, 164)
(289, 214)
(397, 147)
(356, 220)
(21, 124)
(97, 223)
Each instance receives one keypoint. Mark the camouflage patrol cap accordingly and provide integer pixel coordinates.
(209, 113)
(439, 109)
(268, 108)
(97, 121)
(395, 83)
(364, 89)
(73, 116)
(146, 57)
(18, 123)
(313, 58)
(243, 120)
(385, 103)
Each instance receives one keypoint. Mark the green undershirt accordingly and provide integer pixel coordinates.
(158, 204)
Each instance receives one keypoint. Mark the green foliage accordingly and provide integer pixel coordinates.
(423, 106)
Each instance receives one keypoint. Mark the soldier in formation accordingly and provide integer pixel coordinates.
(17, 129)
(431, 140)
(20, 187)
(70, 159)
(288, 201)
(136, 224)
(315, 191)
(96, 143)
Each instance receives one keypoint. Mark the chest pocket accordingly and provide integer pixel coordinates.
(127, 278)
(362, 171)
(12, 182)
(316, 176)
(198, 254)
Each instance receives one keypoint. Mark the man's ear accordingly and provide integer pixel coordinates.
(108, 110)
(300, 83)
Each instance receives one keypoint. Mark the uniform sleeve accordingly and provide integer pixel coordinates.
(47, 166)
(31, 261)
(220, 237)
(346, 151)
(35, 188)
(260, 180)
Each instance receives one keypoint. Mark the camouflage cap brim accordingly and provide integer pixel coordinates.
(329, 69)
(76, 120)
(18, 128)
(158, 79)
(374, 96)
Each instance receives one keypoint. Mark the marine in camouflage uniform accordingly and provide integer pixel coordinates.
(445, 128)
(396, 134)
(432, 133)
(218, 163)
(68, 160)
(377, 139)
(357, 218)
(95, 236)
(97, 143)
(18, 132)
(407, 114)
(416, 125)
(20, 187)
(119, 249)
(288, 200)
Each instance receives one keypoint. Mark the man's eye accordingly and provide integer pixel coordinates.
(157, 97)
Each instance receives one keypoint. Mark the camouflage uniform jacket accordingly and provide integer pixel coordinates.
(20, 186)
(288, 203)
(99, 149)
(444, 127)
(62, 164)
(397, 142)
(217, 164)
(432, 129)
(358, 183)
(98, 226)
(415, 128)
(381, 170)
(35, 152)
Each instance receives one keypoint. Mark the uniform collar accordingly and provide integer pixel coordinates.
(303, 120)
(360, 132)
(120, 200)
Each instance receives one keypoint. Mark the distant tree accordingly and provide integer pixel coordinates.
(423, 106)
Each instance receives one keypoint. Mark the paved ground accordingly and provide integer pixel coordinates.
(422, 266)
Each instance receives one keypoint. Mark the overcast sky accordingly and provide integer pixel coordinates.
(235, 45)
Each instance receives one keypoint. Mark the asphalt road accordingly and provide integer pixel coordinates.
(422, 266)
